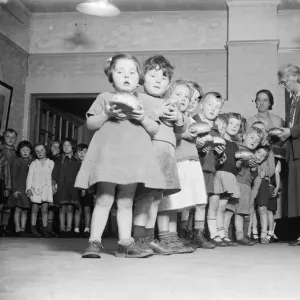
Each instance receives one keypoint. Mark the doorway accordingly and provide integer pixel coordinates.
(55, 117)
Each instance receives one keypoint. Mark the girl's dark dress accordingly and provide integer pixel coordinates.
(64, 174)
(20, 168)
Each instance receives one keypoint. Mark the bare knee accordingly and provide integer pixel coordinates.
(262, 209)
(124, 203)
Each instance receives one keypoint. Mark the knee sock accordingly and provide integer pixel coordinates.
(270, 233)
(190, 223)
(199, 224)
(149, 233)
(50, 226)
(246, 225)
(138, 231)
(212, 226)
(183, 225)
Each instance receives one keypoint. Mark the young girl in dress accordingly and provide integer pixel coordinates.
(190, 176)
(20, 170)
(64, 175)
(211, 106)
(53, 210)
(39, 188)
(120, 156)
(226, 188)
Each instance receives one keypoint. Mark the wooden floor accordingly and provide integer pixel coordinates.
(53, 269)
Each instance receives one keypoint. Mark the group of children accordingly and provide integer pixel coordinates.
(154, 164)
(41, 178)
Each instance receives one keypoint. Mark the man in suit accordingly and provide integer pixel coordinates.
(289, 78)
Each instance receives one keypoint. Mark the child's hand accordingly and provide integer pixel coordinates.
(83, 193)
(219, 149)
(112, 112)
(138, 114)
(54, 189)
(29, 193)
(275, 192)
(262, 174)
(252, 163)
(206, 149)
(15, 194)
(173, 114)
(200, 142)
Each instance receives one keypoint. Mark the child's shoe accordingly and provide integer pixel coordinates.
(178, 247)
(255, 237)
(34, 232)
(93, 250)
(6, 232)
(229, 242)
(201, 241)
(45, 233)
(264, 240)
(132, 251)
(19, 233)
(218, 242)
(158, 247)
(245, 242)
(143, 244)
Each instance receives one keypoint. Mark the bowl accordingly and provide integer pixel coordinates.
(275, 131)
(199, 128)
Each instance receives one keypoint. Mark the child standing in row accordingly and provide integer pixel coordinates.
(119, 157)
(158, 73)
(64, 174)
(39, 188)
(19, 175)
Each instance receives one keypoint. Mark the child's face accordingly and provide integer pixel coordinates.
(125, 76)
(251, 140)
(193, 102)
(261, 155)
(211, 107)
(233, 127)
(81, 153)
(40, 152)
(181, 93)
(10, 138)
(67, 148)
(156, 83)
(25, 152)
(55, 149)
(262, 127)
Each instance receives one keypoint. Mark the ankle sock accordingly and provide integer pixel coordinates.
(254, 231)
(221, 232)
(138, 231)
(239, 235)
(76, 230)
(86, 229)
(212, 226)
(50, 226)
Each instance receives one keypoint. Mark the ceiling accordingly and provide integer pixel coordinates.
(143, 5)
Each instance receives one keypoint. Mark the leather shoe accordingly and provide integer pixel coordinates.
(295, 242)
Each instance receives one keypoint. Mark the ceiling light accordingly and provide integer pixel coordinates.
(100, 8)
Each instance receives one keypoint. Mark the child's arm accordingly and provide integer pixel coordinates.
(7, 178)
(180, 127)
(29, 181)
(14, 176)
(277, 178)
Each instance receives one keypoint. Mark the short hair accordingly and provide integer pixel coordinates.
(159, 62)
(197, 87)
(71, 141)
(81, 147)
(222, 118)
(255, 130)
(172, 86)
(270, 96)
(1, 139)
(265, 147)
(10, 130)
(23, 144)
(288, 69)
(111, 63)
(45, 147)
(233, 115)
(217, 95)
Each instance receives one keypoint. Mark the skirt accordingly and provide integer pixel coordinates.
(193, 191)
(226, 185)
(244, 205)
(209, 182)
(272, 202)
(23, 201)
(165, 153)
(263, 194)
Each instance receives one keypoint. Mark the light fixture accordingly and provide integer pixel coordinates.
(100, 8)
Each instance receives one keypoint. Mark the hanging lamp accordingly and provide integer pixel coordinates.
(100, 8)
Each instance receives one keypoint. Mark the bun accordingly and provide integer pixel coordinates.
(126, 102)
(244, 154)
(200, 128)
(218, 141)
(275, 131)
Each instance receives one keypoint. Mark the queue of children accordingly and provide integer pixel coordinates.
(165, 166)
